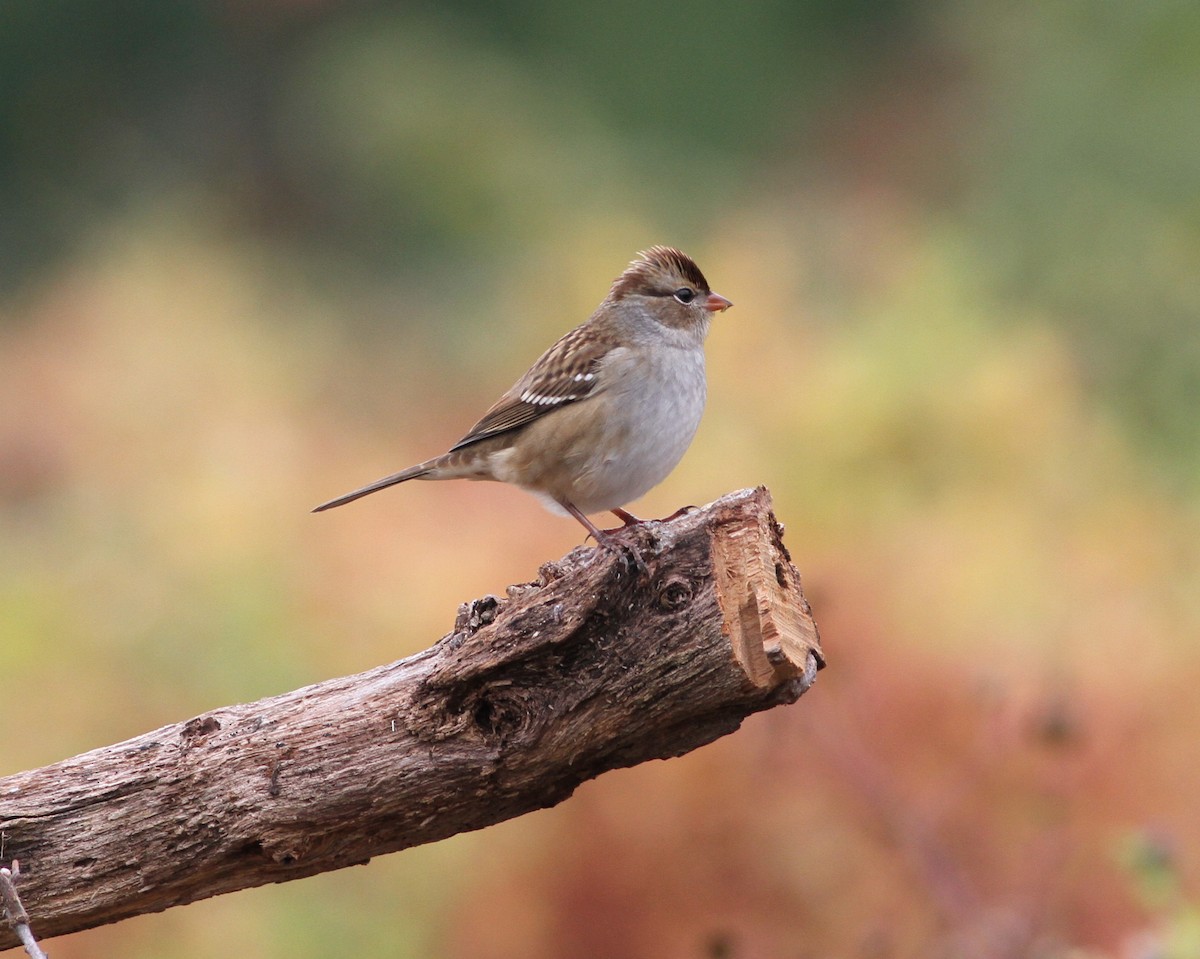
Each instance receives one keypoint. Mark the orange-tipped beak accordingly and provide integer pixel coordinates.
(715, 303)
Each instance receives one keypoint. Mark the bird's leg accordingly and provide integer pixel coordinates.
(603, 537)
(599, 535)
(629, 519)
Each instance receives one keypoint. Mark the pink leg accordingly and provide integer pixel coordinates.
(629, 519)
(605, 537)
(625, 516)
(598, 534)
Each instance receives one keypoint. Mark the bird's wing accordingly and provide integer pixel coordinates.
(565, 373)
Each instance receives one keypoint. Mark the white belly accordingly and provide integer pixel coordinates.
(645, 422)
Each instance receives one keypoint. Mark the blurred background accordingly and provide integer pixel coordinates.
(256, 253)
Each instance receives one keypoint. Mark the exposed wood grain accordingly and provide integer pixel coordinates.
(593, 667)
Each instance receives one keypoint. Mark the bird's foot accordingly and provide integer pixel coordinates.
(612, 541)
(682, 511)
(609, 538)
(627, 552)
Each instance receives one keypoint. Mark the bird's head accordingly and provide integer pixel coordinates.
(669, 286)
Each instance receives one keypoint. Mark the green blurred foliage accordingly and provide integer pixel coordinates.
(252, 254)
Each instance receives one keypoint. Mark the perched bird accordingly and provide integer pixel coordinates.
(604, 414)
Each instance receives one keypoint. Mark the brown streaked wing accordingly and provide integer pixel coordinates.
(565, 373)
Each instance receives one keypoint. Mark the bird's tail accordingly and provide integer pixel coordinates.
(413, 472)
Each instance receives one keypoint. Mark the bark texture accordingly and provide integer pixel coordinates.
(598, 664)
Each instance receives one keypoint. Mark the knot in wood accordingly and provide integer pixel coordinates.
(476, 614)
(502, 712)
(200, 727)
(674, 593)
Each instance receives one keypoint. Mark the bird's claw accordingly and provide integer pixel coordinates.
(627, 552)
(631, 555)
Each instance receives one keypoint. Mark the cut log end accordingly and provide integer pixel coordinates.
(770, 627)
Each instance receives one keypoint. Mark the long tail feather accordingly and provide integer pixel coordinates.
(411, 473)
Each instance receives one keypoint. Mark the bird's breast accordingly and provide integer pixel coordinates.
(612, 447)
(652, 406)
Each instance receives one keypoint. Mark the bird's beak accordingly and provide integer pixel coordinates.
(715, 303)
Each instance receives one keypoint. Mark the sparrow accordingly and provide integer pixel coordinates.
(604, 414)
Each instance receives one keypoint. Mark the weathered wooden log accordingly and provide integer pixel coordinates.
(603, 662)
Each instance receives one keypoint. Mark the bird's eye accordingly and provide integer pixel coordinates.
(685, 295)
